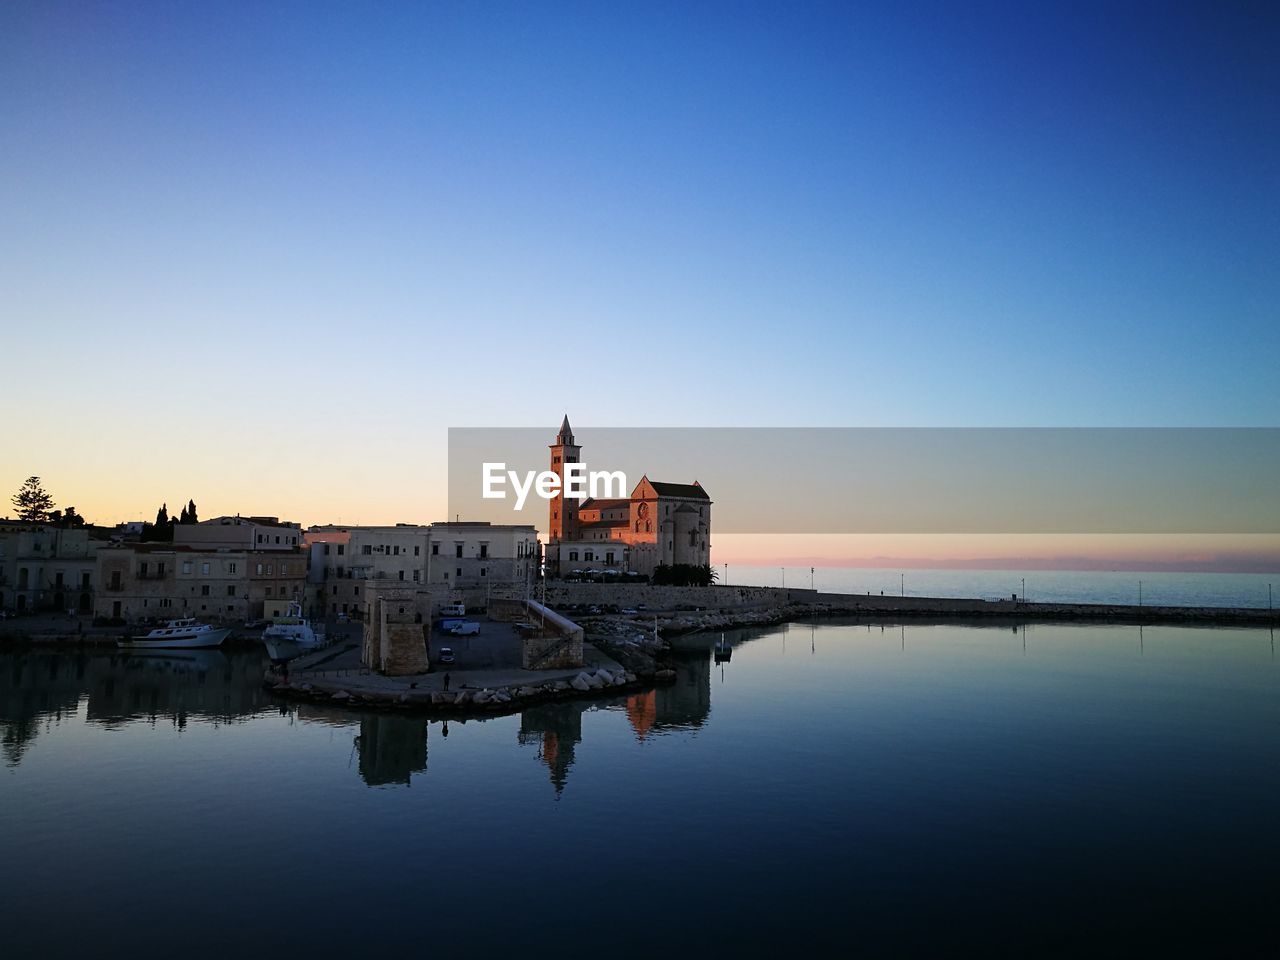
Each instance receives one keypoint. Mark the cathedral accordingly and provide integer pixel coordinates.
(660, 523)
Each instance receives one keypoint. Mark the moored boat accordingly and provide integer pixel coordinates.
(184, 634)
(291, 635)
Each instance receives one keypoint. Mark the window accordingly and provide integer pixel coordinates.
(204, 590)
(417, 550)
(231, 568)
(401, 574)
(326, 549)
(57, 579)
(260, 538)
(259, 569)
(335, 589)
(484, 572)
(166, 602)
(204, 569)
(573, 554)
(459, 571)
(284, 569)
(397, 553)
(186, 566)
(435, 549)
(231, 591)
(415, 576)
(293, 541)
(277, 540)
(142, 569)
(367, 549)
(608, 557)
(589, 555)
(341, 549)
(457, 550)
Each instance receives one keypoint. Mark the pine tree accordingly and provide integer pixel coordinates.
(162, 515)
(182, 519)
(33, 501)
(191, 512)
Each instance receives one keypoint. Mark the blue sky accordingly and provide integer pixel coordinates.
(283, 226)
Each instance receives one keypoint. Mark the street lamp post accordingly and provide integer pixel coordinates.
(902, 584)
(1139, 593)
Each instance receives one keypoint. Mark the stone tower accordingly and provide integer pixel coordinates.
(563, 523)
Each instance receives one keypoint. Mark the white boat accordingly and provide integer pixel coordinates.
(291, 635)
(179, 635)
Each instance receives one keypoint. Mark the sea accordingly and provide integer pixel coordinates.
(870, 789)
(1043, 586)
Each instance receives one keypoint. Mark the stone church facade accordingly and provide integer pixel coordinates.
(660, 523)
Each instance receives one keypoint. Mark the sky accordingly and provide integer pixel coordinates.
(265, 255)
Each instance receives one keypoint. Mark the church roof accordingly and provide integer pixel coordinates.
(692, 491)
(604, 503)
(565, 435)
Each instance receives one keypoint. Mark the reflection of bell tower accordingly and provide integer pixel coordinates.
(564, 512)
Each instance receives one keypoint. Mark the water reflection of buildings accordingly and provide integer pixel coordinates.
(46, 687)
(392, 748)
(555, 729)
(683, 705)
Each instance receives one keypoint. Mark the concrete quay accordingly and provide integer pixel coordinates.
(336, 675)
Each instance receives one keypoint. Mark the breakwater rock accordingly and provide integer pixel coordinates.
(373, 690)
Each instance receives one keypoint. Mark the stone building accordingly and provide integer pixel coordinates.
(344, 558)
(395, 629)
(659, 523)
(239, 533)
(471, 556)
(43, 567)
(464, 558)
(167, 581)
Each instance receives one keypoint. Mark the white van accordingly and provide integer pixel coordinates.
(453, 610)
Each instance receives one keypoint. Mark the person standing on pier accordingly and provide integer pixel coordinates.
(446, 683)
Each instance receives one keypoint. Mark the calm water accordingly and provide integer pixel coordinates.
(928, 790)
(1045, 586)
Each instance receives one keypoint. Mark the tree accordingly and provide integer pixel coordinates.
(162, 515)
(32, 501)
(191, 512)
(182, 519)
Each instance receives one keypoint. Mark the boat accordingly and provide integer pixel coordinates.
(291, 635)
(723, 650)
(184, 634)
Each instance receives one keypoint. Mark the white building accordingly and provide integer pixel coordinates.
(238, 533)
(43, 567)
(342, 558)
(462, 558)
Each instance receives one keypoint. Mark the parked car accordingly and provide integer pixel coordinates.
(446, 655)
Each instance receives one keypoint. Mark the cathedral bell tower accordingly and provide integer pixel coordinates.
(564, 512)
